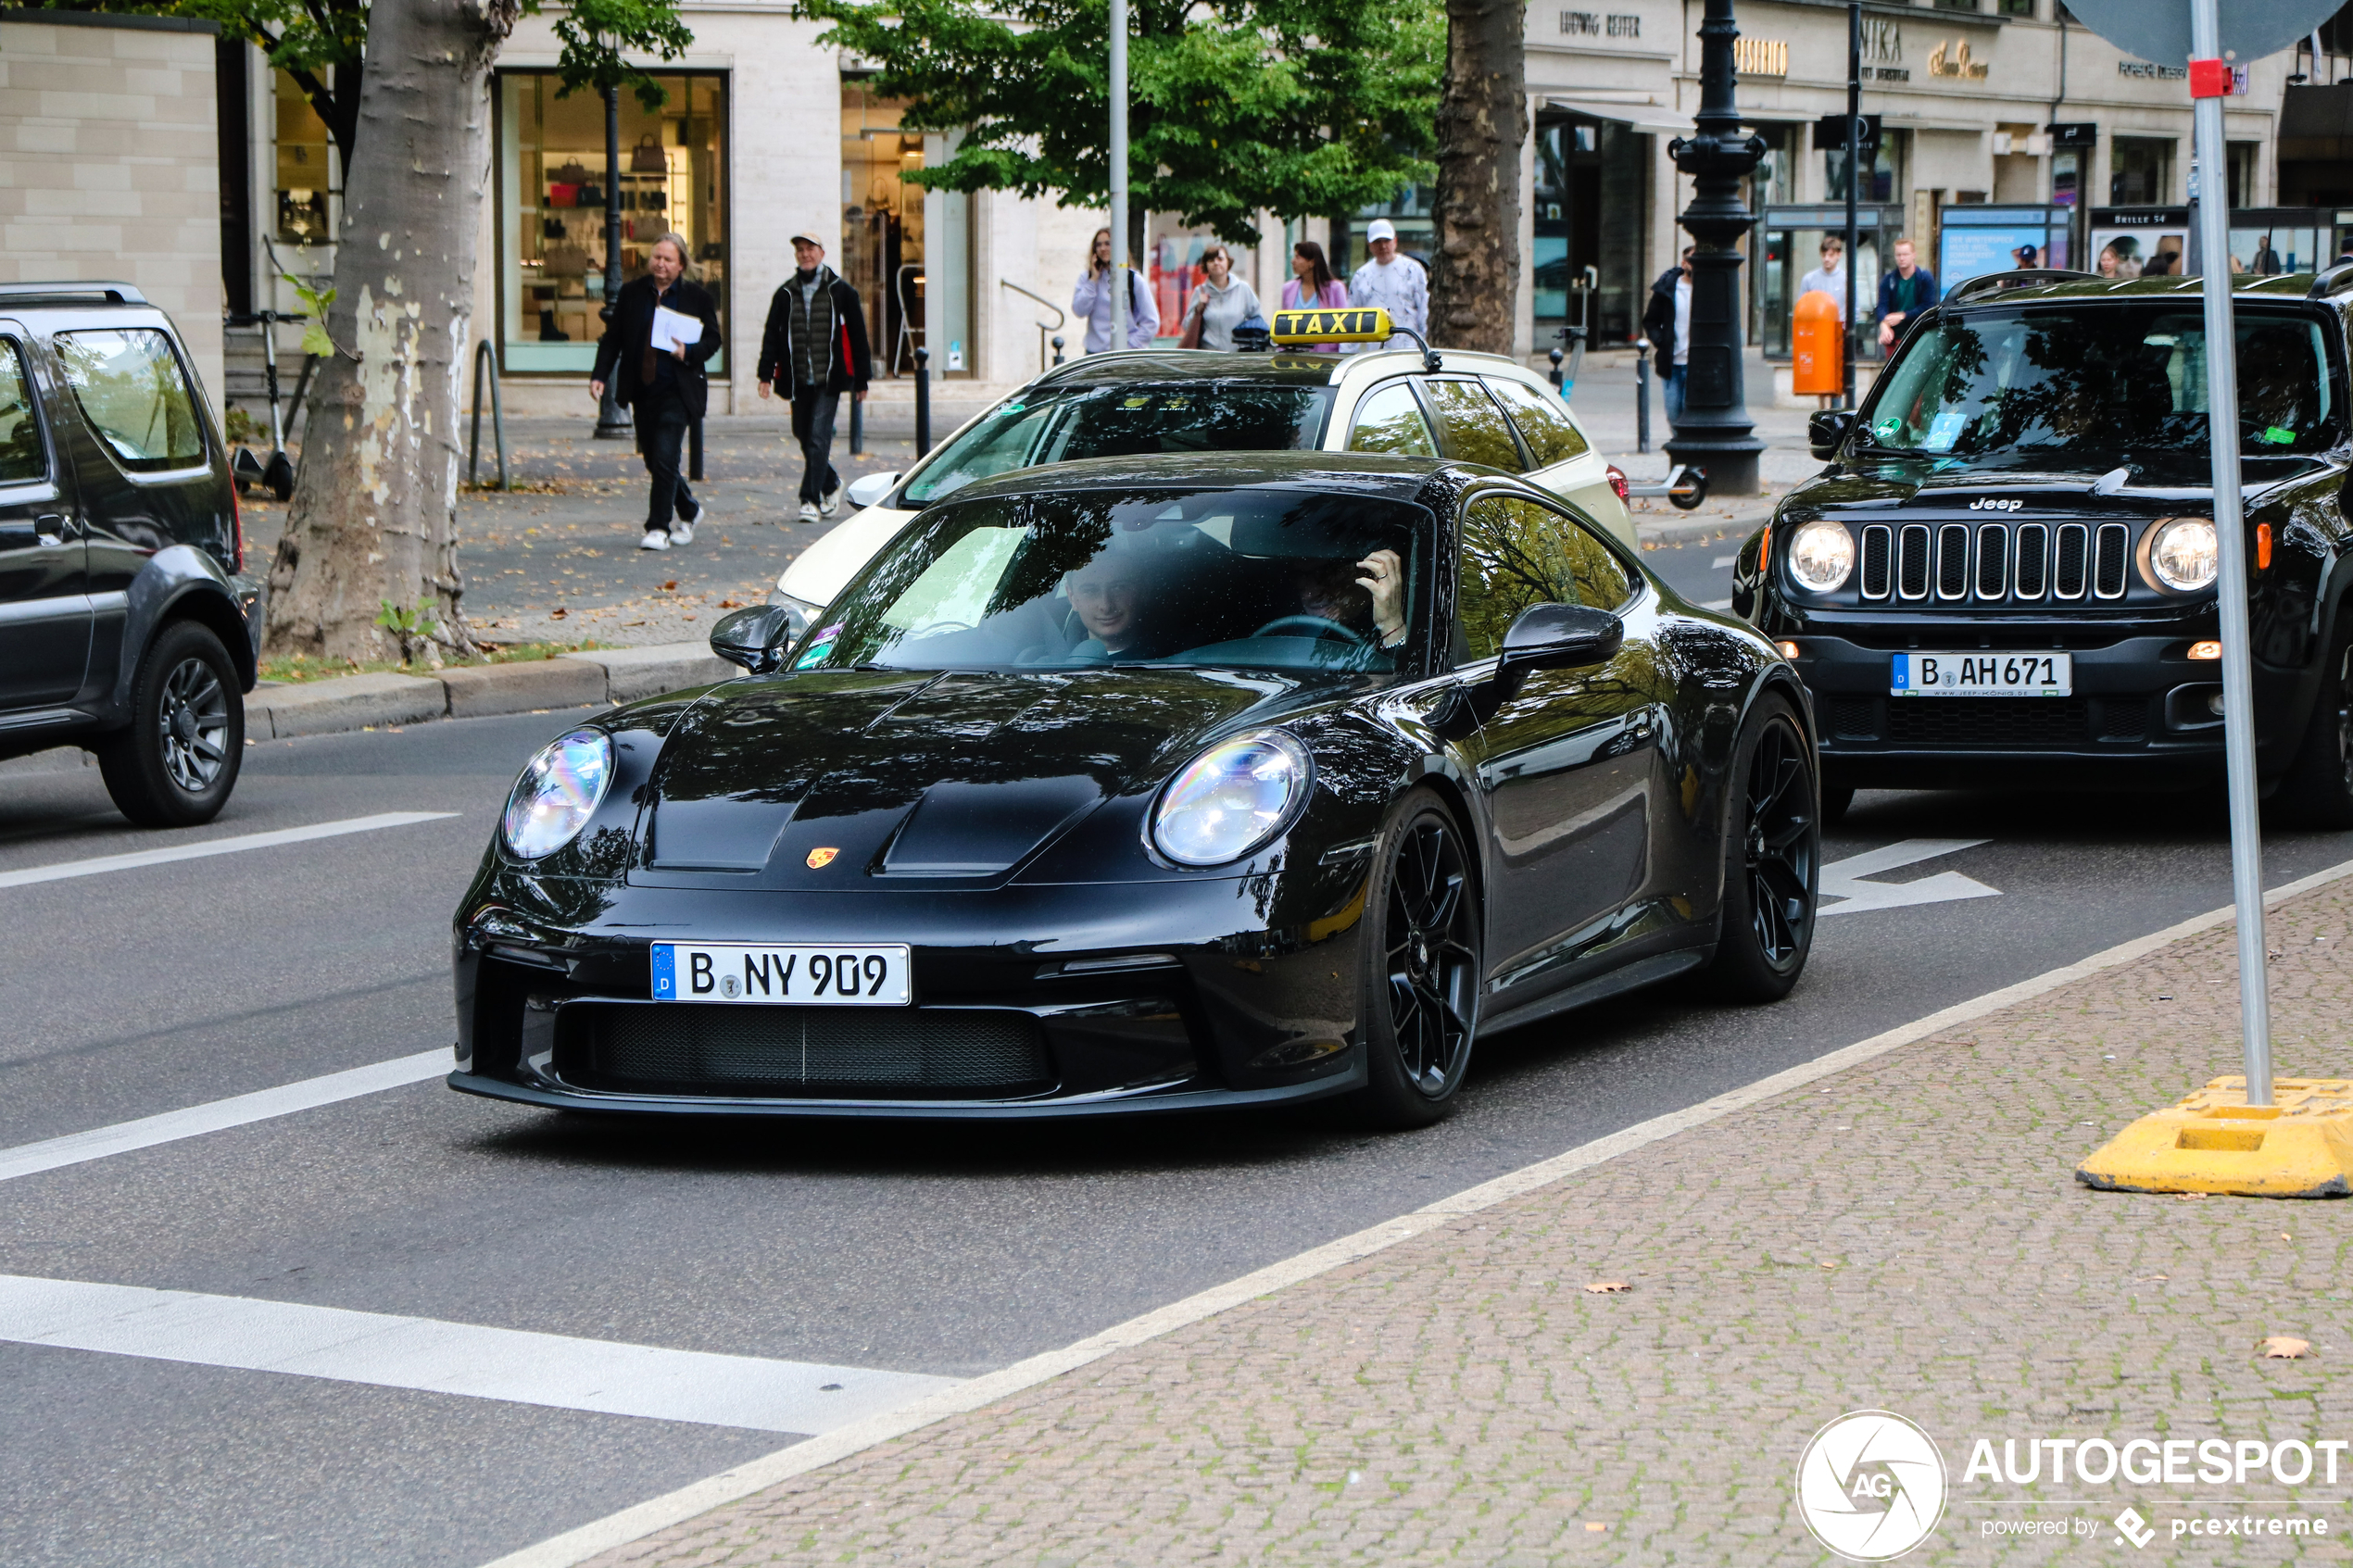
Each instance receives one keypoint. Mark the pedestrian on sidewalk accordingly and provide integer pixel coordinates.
(1093, 300)
(664, 390)
(1392, 282)
(814, 347)
(1313, 287)
(1903, 293)
(1829, 277)
(1667, 321)
(1220, 304)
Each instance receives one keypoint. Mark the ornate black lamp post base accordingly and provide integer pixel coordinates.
(1715, 432)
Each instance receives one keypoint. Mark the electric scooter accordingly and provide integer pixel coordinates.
(276, 475)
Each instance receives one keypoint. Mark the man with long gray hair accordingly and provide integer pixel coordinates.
(814, 348)
(657, 375)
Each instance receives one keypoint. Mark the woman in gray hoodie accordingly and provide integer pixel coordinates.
(1222, 302)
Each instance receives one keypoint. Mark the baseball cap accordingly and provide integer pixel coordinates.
(1379, 229)
(806, 238)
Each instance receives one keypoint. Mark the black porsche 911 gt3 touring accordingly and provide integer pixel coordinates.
(1137, 785)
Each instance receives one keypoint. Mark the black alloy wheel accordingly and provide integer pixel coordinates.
(1422, 968)
(2318, 790)
(1773, 859)
(177, 762)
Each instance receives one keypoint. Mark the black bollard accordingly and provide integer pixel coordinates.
(922, 401)
(857, 425)
(1641, 397)
(694, 452)
(1058, 350)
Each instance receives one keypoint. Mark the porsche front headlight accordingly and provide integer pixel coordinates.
(1231, 798)
(2185, 553)
(1821, 556)
(558, 793)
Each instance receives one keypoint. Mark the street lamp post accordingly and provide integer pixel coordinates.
(1715, 430)
(612, 424)
(1118, 151)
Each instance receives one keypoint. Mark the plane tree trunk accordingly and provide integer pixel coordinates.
(1482, 123)
(373, 521)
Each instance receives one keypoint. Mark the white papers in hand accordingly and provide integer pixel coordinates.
(674, 329)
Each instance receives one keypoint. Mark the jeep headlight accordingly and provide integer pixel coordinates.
(1821, 556)
(1231, 798)
(2183, 554)
(558, 793)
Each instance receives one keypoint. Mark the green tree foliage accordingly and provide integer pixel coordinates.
(1302, 107)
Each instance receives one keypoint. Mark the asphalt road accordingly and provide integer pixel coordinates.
(927, 1249)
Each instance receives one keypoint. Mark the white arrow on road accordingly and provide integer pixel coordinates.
(1843, 879)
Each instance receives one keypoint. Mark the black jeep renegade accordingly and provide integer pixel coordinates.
(2006, 572)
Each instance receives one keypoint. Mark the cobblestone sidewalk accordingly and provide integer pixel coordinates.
(1905, 1234)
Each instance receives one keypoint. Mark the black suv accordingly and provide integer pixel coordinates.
(127, 625)
(2006, 572)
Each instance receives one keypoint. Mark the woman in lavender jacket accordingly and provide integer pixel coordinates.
(1093, 300)
(1313, 287)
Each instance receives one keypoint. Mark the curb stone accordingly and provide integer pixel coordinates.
(517, 688)
(350, 702)
(278, 711)
(632, 673)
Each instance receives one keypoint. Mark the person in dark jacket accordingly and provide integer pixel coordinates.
(1667, 321)
(664, 390)
(814, 350)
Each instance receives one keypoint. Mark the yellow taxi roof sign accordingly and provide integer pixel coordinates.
(1289, 327)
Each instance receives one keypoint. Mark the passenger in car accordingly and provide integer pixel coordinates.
(1366, 596)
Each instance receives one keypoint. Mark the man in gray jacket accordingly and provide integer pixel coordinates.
(815, 348)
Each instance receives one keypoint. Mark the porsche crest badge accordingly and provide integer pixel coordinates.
(819, 858)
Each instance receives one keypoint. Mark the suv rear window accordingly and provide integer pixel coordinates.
(129, 385)
(2113, 379)
(1064, 424)
(21, 458)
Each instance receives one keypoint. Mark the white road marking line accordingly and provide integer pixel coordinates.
(1722, 561)
(1843, 879)
(138, 857)
(1717, 604)
(26, 1159)
(525, 1368)
(577, 1546)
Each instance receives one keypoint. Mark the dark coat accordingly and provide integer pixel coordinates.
(1658, 317)
(623, 348)
(852, 360)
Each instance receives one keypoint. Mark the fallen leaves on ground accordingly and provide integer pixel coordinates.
(2286, 1347)
(1607, 1286)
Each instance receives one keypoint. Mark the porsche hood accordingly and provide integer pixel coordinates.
(834, 779)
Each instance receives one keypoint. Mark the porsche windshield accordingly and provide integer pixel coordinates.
(2112, 380)
(1061, 424)
(1243, 579)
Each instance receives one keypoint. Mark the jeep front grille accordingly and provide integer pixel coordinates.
(1879, 549)
(1996, 562)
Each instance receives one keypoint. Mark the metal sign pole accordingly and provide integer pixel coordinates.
(1119, 273)
(2213, 218)
(1854, 175)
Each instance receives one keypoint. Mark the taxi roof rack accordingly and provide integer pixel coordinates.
(113, 294)
(2332, 281)
(2023, 278)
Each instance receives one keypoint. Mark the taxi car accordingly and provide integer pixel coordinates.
(1137, 785)
(2006, 573)
(1467, 407)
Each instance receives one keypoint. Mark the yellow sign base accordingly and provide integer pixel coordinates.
(2300, 1146)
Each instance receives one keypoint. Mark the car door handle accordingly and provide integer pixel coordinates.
(50, 528)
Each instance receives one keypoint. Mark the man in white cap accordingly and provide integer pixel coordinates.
(813, 350)
(1392, 282)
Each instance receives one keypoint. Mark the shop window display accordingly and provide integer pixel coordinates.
(882, 227)
(308, 176)
(551, 206)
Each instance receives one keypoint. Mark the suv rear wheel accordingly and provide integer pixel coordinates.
(176, 764)
(2318, 790)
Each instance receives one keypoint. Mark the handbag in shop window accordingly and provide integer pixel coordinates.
(647, 157)
(647, 228)
(564, 261)
(569, 173)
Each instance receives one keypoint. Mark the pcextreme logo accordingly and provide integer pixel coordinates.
(1871, 1486)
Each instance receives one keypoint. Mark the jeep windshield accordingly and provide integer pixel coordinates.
(2100, 382)
(1062, 424)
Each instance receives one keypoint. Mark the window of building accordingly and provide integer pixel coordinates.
(882, 226)
(551, 208)
(2016, 8)
(2140, 172)
(309, 175)
(1884, 182)
(1588, 270)
(2241, 156)
(1960, 5)
(1413, 212)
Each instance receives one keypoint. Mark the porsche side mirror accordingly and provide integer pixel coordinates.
(1553, 636)
(755, 638)
(1827, 430)
(869, 488)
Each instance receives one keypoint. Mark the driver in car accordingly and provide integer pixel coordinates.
(1332, 590)
(1108, 594)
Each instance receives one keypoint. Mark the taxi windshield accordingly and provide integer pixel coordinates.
(1260, 579)
(1061, 424)
(2110, 379)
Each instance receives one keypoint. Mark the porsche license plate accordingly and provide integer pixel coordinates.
(848, 975)
(1982, 675)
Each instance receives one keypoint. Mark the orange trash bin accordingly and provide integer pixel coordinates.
(1815, 338)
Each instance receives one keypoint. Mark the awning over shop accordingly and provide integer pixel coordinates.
(1652, 118)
